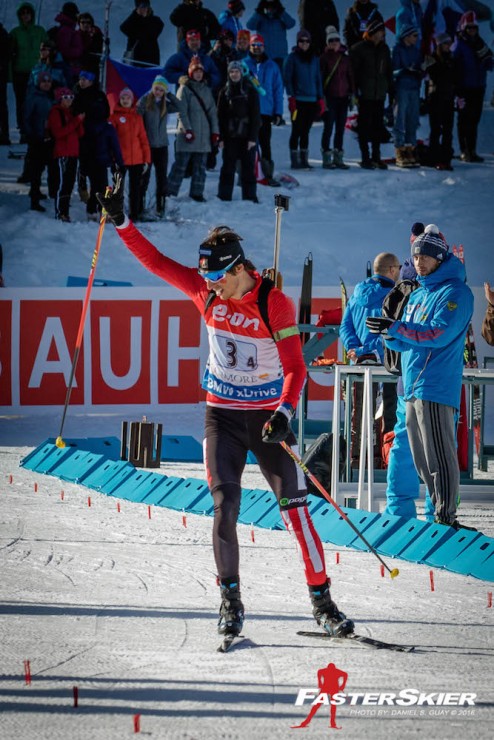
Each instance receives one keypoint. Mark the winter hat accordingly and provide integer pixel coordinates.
(192, 34)
(71, 10)
(60, 92)
(243, 34)
(332, 34)
(195, 63)
(256, 38)
(140, 3)
(160, 81)
(408, 30)
(443, 38)
(236, 65)
(468, 19)
(373, 26)
(87, 75)
(126, 91)
(303, 35)
(235, 6)
(223, 254)
(431, 243)
(43, 77)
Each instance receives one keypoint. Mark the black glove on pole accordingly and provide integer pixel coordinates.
(277, 428)
(113, 203)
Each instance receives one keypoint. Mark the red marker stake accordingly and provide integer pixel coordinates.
(337, 558)
(11, 478)
(382, 571)
(184, 518)
(75, 691)
(35, 488)
(62, 495)
(431, 576)
(489, 599)
(27, 672)
(89, 501)
(137, 722)
(252, 534)
(149, 517)
(118, 506)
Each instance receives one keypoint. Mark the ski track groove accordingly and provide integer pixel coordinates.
(63, 662)
(142, 581)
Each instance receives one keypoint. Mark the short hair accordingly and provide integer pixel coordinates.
(383, 261)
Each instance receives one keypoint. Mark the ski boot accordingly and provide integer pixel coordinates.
(327, 614)
(231, 610)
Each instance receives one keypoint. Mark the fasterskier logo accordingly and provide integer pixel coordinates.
(331, 682)
(409, 702)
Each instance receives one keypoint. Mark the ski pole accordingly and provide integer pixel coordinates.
(78, 342)
(392, 572)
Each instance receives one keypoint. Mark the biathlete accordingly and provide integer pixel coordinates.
(253, 379)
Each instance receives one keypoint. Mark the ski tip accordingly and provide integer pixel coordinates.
(59, 442)
(395, 572)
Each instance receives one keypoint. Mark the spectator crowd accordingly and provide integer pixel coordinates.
(227, 80)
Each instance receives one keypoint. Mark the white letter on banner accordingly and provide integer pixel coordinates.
(52, 332)
(176, 352)
(121, 382)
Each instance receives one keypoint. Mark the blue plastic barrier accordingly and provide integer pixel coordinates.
(403, 537)
(188, 495)
(453, 546)
(78, 466)
(426, 543)
(46, 458)
(155, 489)
(255, 504)
(383, 526)
(180, 449)
(100, 478)
(80, 282)
(474, 556)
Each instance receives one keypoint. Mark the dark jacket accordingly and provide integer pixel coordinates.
(341, 84)
(239, 116)
(188, 16)
(372, 70)
(93, 102)
(69, 42)
(474, 59)
(443, 77)
(142, 37)
(314, 16)
(92, 42)
(103, 147)
(302, 76)
(357, 17)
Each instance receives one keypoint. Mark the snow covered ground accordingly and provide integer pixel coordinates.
(124, 607)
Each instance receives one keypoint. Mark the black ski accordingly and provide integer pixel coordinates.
(228, 642)
(369, 642)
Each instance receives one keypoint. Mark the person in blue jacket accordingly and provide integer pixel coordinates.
(407, 74)
(363, 347)
(302, 76)
(474, 60)
(177, 65)
(265, 74)
(431, 339)
(410, 14)
(271, 20)
(229, 19)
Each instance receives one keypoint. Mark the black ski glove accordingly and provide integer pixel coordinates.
(113, 203)
(378, 324)
(277, 428)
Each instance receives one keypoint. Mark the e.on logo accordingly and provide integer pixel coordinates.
(331, 681)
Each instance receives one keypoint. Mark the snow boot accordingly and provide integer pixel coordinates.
(338, 160)
(267, 166)
(231, 609)
(295, 159)
(327, 614)
(411, 155)
(327, 160)
(401, 157)
(304, 160)
(160, 206)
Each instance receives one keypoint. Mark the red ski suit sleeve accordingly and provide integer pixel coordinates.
(281, 310)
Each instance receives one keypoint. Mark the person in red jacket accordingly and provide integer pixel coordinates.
(66, 129)
(136, 152)
(253, 379)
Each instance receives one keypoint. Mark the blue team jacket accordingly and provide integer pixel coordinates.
(366, 300)
(431, 336)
